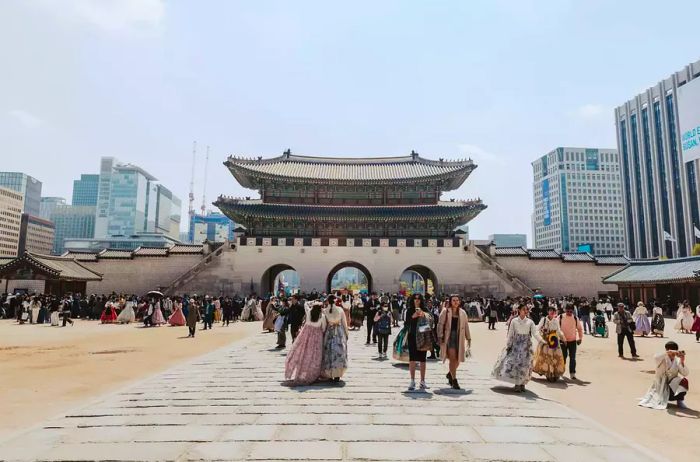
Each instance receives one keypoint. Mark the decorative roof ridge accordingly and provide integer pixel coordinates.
(287, 156)
(453, 203)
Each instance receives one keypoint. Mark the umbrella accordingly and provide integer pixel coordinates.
(155, 293)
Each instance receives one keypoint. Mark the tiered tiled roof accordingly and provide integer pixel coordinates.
(186, 249)
(242, 210)
(151, 252)
(81, 256)
(116, 254)
(63, 268)
(678, 270)
(365, 170)
(551, 254)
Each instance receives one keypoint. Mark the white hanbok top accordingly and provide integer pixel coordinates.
(321, 320)
(668, 377)
(548, 325)
(639, 311)
(520, 326)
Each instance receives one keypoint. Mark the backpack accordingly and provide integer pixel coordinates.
(383, 326)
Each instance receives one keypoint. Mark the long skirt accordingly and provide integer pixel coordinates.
(269, 322)
(357, 317)
(127, 315)
(642, 324)
(549, 360)
(303, 363)
(157, 318)
(177, 319)
(514, 365)
(54, 318)
(335, 352)
(696, 325)
(657, 324)
(109, 315)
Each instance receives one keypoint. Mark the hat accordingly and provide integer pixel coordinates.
(620, 304)
(640, 304)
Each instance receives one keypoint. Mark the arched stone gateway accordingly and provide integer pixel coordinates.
(418, 278)
(363, 277)
(270, 281)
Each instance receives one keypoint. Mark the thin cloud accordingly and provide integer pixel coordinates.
(110, 15)
(480, 154)
(26, 119)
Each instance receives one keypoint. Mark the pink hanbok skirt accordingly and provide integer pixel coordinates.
(303, 363)
(177, 318)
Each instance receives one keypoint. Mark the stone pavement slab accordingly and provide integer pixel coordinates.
(232, 404)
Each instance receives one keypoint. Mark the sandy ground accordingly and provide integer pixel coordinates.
(607, 388)
(47, 370)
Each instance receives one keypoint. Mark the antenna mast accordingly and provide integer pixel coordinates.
(190, 211)
(204, 190)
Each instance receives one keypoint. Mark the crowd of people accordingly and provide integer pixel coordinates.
(320, 324)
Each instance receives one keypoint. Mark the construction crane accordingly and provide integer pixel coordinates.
(204, 189)
(190, 211)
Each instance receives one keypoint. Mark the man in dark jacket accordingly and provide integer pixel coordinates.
(296, 316)
(371, 308)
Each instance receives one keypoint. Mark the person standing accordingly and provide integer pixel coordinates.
(492, 311)
(670, 381)
(454, 337)
(641, 319)
(549, 358)
(624, 327)
(383, 322)
(371, 308)
(303, 363)
(415, 311)
(281, 323)
(335, 342)
(696, 324)
(270, 315)
(177, 318)
(227, 308)
(296, 316)
(658, 323)
(66, 310)
(193, 317)
(208, 313)
(584, 311)
(514, 364)
(573, 336)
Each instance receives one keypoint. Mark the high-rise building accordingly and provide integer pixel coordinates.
(509, 240)
(213, 227)
(48, 205)
(168, 213)
(11, 203)
(578, 201)
(36, 235)
(660, 186)
(29, 187)
(72, 222)
(85, 190)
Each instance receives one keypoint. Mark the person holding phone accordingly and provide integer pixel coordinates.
(414, 312)
(670, 380)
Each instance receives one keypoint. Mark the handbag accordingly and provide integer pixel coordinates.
(400, 349)
(424, 336)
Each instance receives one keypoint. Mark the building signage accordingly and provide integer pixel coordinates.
(546, 203)
(689, 119)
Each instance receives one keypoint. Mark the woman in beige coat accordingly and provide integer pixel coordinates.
(452, 332)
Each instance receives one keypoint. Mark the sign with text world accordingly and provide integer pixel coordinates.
(689, 119)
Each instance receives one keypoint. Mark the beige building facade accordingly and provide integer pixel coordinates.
(11, 203)
(36, 235)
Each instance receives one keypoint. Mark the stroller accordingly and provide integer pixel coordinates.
(600, 327)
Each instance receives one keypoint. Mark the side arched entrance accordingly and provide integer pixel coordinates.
(418, 279)
(350, 276)
(280, 277)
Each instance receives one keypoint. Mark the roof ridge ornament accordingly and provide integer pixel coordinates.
(414, 154)
(287, 154)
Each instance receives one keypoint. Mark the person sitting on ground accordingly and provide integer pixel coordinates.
(670, 381)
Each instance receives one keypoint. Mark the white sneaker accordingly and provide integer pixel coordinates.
(412, 385)
(423, 385)
(573, 376)
(682, 405)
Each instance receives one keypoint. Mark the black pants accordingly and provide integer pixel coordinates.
(569, 351)
(66, 319)
(282, 338)
(207, 324)
(609, 315)
(295, 331)
(227, 319)
(383, 343)
(697, 336)
(192, 331)
(679, 397)
(492, 323)
(370, 330)
(621, 341)
(148, 321)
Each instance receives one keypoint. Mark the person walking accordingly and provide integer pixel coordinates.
(573, 336)
(454, 337)
(371, 308)
(641, 319)
(193, 317)
(227, 309)
(492, 311)
(624, 328)
(303, 363)
(658, 323)
(296, 316)
(65, 309)
(415, 311)
(514, 364)
(383, 321)
(208, 313)
(549, 358)
(335, 342)
(281, 323)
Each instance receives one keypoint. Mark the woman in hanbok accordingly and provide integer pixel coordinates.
(657, 321)
(177, 318)
(684, 321)
(157, 319)
(217, 310)
(670, 379)
(109, 314)
(335, 342)
(696, 324)
(641, 320)
(34, 307)
(357, 313)
(55, 317)
(257, 313)
(127, 315)
(303, 363)
(270, 315)
(346, 304)
(514, 365)
(549, 360)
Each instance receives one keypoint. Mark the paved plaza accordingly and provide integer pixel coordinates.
(231, 405)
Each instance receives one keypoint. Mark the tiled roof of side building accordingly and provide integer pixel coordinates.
(577, 256)
(116, 254)
(660, 271)
(611, 260)
(183, 249)
(511, 252)
(151, 252)
(543, 254)
(362, 170)
(62, 268)
(81, 256)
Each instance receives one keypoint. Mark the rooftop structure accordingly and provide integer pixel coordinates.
(307, 196)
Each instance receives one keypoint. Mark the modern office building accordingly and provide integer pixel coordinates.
(578, 201)
(36, 235)
(131, 242)
(130, 202)
(48, 205)
(29, 187)
(214, 227)
(509, 240)
(660, 186)
(11, 203)
(85, 190)
(72, 222)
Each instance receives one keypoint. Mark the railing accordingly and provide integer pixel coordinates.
(503, 273)
(188, 275)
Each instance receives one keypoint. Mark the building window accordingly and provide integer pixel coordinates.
(628, 192)
(675, 169)
(661, 162)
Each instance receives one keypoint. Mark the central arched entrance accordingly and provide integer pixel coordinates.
(280, 278)
(417, 279)
(349, 276)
